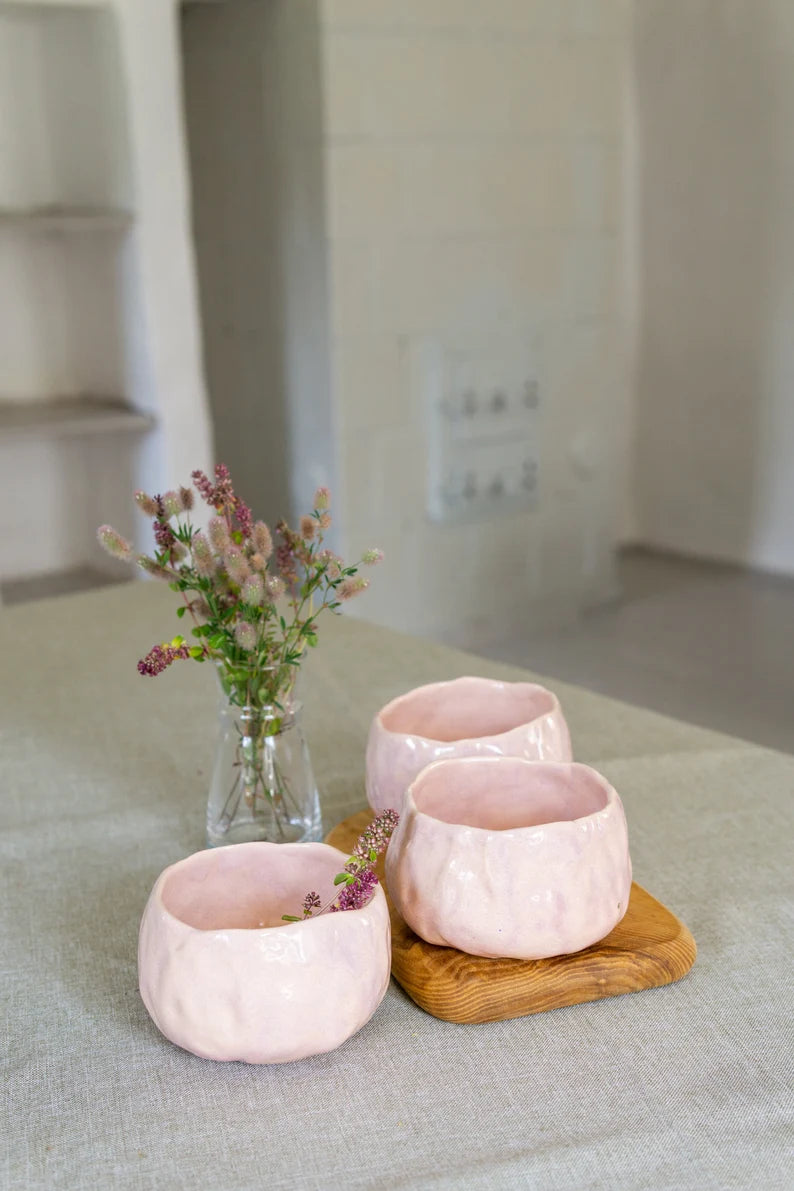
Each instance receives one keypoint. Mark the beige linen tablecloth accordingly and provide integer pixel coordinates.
(104, 776)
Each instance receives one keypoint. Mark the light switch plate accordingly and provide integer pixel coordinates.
(482, 407)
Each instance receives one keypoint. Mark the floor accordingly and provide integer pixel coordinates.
(706, 643)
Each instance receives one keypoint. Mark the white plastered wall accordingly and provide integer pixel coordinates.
(715, 377)
(90, 316)
(474, 166)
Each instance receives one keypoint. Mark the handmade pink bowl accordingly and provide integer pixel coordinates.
(225, 978)
(462, 718)
(498, 856)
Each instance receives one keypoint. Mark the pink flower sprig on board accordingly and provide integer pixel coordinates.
(358, 879)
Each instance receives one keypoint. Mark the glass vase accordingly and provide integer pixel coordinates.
(262, 786)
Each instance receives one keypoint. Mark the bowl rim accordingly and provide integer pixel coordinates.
(410, 807)
(313, 925)
(466, 678)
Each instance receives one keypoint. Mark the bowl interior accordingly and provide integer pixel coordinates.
(466, 708)
(248, 886)
(505, 793)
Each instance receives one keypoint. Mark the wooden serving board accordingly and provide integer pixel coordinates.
(648, 948)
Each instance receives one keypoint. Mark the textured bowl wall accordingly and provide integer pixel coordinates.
(505, 857)
(463, 718)
(220, 985)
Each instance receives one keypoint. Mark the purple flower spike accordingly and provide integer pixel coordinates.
(163, 535)
(244, 517)
(160, 657)
(204, 485)
(356, 895)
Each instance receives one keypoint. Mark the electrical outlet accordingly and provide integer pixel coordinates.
(482, 414)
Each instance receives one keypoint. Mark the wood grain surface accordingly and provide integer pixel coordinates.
(650, 947)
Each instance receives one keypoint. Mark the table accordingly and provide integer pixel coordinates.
(103, 784)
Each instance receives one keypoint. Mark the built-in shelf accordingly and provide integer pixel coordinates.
(64, 416)
(66, 219)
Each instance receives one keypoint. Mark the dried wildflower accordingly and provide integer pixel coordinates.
(112, 541)
(253, 590)
(332, 563)
(275, 587)
(351, 587)
(241, 593)
(172, 504)
(153, 568)
(311, 902)
(245, 635)
(202, 555)
(146, 504)
(160, 657)
(263, 542)
(236, 564)
(370, 557)
(219, 535)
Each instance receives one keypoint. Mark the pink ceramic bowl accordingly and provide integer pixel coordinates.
(462, 718)
(225, 978)
(498, 856)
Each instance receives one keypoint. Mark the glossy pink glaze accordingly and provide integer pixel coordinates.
(462, 718)
(499, 856)
(225, 978)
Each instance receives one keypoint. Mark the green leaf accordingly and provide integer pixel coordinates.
(342, 879)
(173, 586)
(290, 918)
(181, 611)
(196, 651)
(177, 642)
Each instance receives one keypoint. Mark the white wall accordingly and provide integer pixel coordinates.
(254, 112)
(474, 158)
(715, 377)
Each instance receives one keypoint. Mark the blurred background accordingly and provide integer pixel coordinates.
(514, 278)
